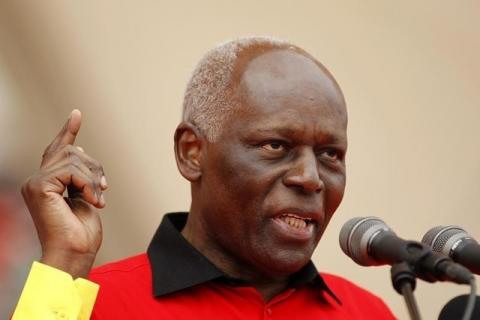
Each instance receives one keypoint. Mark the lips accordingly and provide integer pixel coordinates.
(294, 220)
(309, 216)
(296, 225)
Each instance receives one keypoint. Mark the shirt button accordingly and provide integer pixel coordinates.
(269, 311)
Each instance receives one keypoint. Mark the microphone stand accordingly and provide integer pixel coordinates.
(404, 282)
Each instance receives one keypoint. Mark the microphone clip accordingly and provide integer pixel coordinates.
(404, 281)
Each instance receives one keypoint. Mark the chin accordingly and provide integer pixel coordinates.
(285, 262)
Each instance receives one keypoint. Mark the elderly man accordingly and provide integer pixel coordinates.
(263, 143)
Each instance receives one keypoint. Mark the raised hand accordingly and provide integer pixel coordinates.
(69, 228)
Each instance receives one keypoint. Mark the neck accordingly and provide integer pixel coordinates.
(268, 285)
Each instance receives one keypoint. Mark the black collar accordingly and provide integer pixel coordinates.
(177, 265)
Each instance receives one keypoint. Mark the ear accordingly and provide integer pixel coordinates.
(188, 151)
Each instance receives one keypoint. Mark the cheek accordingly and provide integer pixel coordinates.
(244, 178)
(236, 188)
(242, 188)
(334, 188)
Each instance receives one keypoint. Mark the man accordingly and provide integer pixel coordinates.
(263, 143)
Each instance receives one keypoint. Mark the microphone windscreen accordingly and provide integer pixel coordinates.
(444, 238)
(455, 308)
(355, 236)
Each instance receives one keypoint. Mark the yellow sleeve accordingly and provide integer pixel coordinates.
(50, 293)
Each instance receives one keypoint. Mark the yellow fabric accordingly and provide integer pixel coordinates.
(51, 294)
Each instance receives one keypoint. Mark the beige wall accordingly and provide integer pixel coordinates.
(410, 72)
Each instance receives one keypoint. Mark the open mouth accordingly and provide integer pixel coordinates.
(291, 226)
(294, 220)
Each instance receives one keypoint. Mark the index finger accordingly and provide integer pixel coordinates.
(68, 134)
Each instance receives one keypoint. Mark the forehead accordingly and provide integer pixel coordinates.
(277, 76)
(287, 89)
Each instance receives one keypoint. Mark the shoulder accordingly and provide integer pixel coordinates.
(124, 285)
(133, 268)
(356, 298)
(345, 289)
(340, 284)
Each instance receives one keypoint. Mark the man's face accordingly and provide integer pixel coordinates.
(276, 175)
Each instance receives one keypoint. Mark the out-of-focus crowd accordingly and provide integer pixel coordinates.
(18, 244)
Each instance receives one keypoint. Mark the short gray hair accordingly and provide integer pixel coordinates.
(210, 96)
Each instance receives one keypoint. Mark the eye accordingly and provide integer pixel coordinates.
(331, 154)
(274, 147)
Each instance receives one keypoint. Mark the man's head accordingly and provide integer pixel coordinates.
(263, 143)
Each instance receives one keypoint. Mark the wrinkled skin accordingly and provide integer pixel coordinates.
(283, 151)
(69, 229)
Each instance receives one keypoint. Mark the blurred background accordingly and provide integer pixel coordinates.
(410, 72)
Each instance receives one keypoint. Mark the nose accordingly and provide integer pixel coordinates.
(303, 174)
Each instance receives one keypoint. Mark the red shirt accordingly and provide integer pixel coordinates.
(187, 286)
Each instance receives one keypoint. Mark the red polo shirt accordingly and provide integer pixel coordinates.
(175, 281)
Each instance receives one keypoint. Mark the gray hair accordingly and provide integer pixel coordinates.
(210, 96)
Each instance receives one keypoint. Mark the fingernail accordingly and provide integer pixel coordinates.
(80, 148)
(72, 112)
(102, 200)
(103, 182)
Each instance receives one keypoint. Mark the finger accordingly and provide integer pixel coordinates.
(95, 166)
(95, 184)
(66, 136)
(58, 179)
(81, 186)
(103, 183)
(91, 168)
(90, 165)
(74, 195)
(85, 212)
(79, 180)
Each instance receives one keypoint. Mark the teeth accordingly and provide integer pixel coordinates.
(294, 216)
(295, 221)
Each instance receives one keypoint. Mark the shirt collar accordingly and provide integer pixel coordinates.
(177, 265)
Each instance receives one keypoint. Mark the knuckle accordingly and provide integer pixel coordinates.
(48, 151)
(73, 167)
(95, 166)
(30, 186)
(51, 149)
(98, 166)
(69, 150)
(90, 188)
(94, 187)
(72, 155)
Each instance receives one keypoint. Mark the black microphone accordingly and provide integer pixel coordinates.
(370, 242)
(456, 243)
(455, 308)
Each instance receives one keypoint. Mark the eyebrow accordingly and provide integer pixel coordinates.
(325, 137)
(278, 130)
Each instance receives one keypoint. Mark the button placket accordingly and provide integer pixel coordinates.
(268, 311)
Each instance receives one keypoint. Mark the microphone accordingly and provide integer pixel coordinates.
(455, 309)
(370, 242)
(456, 243)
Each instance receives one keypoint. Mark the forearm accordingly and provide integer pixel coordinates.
(76, 264)
(50, 294)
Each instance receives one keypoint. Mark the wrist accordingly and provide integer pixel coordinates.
(78, 265)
